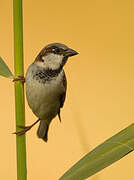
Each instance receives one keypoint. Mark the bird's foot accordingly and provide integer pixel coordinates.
(25, 129)
(19, 78)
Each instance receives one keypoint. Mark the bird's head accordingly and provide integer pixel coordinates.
(54, 56)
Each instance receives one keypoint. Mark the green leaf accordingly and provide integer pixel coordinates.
(103, 155)
(4, 70)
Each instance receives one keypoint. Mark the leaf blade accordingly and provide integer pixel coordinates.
(4, 70)
(103, 155)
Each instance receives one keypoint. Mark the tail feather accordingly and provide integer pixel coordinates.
(43, 130)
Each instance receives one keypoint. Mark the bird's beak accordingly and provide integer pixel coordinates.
(70, 52)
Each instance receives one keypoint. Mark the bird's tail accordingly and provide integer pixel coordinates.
(43, 130)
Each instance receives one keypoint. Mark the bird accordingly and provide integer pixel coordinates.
(46, 86)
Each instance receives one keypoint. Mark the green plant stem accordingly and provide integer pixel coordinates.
(19, 89)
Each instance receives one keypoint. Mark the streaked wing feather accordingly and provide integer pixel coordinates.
(63, 95)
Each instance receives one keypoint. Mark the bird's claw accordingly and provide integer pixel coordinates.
(25, 129)
(19, 78)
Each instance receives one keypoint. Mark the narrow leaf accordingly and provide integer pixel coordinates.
(4, 70)
(103, 155)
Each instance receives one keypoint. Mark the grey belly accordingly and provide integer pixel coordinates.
(43, 99)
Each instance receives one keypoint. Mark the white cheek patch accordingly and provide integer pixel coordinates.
(52, 61)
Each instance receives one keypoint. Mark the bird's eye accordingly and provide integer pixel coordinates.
(42, 59)
(56, 50)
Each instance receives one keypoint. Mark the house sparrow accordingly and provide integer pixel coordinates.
(46, 86)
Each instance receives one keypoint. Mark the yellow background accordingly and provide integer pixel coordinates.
(100, 96)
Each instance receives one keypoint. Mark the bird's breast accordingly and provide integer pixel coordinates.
(43, 98)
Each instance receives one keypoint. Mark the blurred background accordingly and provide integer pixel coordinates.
(100, 95)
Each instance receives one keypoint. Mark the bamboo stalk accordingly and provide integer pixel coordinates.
(19, 89)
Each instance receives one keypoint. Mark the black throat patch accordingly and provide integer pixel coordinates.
(46, 75)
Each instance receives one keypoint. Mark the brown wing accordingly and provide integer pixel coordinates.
(63, 95)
